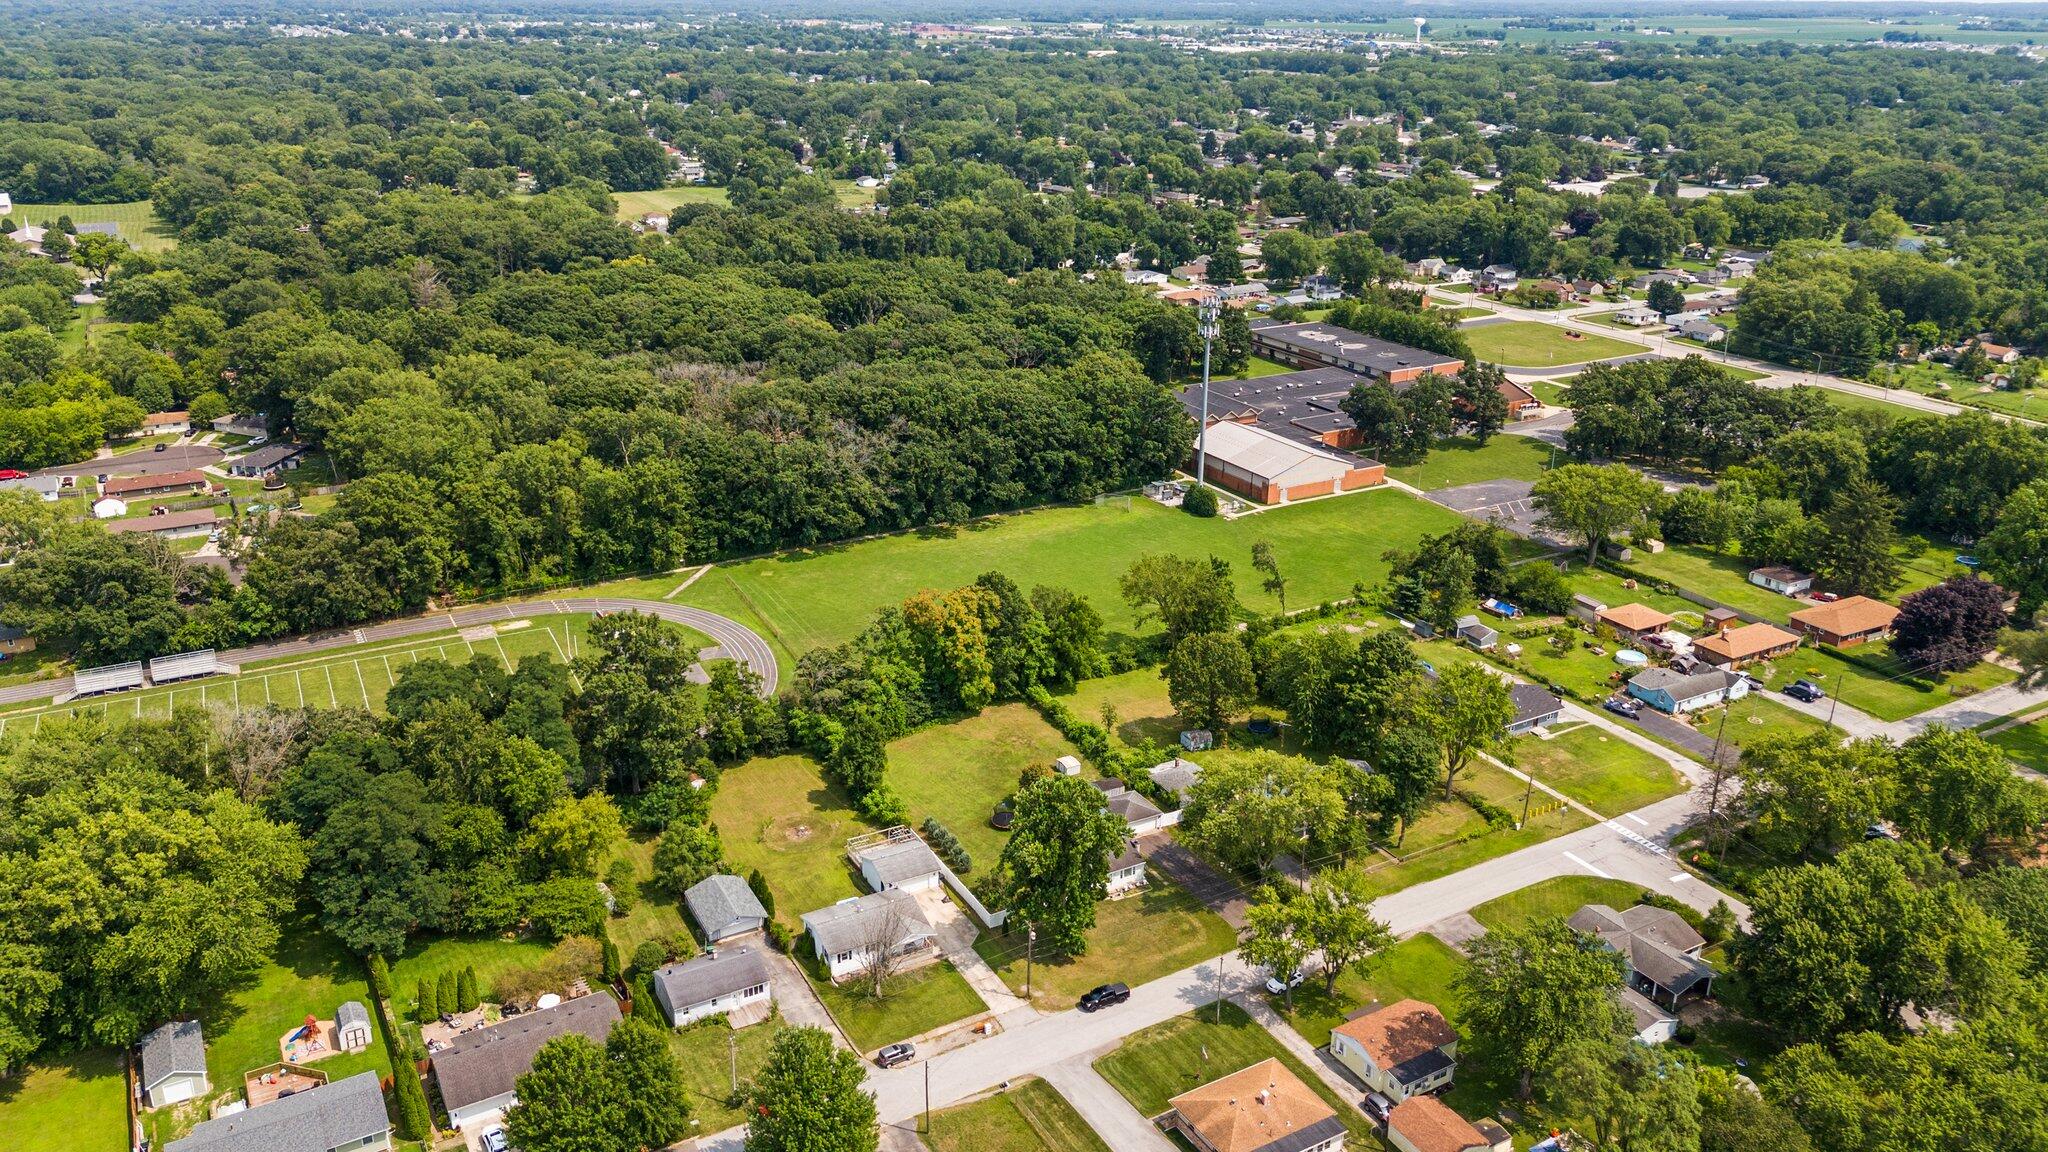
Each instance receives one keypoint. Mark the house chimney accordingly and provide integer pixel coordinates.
(1262, 1097)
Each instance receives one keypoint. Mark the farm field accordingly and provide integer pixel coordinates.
(633, 205)
(811, 598)
(1534, 344)
(1137, 938)
(779, 814)
(1602, 771)
(1029, 1116)
(137, 221)
(1462, 460)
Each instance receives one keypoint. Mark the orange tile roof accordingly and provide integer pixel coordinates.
(1399, 1032)
(1429, 1125)
(1252, 1107)
(1745, 642)
(1634, 617)
(1847, 616)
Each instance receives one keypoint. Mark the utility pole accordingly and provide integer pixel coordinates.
(1030, 940)
(732, 1054)
(1206, 314)
(927, 1096)
(1528, 793)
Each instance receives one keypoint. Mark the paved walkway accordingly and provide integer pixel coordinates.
(1103, 1107)
(1971, 711)
(1318, 1060)
(956, 932)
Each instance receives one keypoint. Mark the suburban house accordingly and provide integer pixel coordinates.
(1499, 278)
(163, 423)
(1671, 691)
(351, 1026)
(850, 933)
(171, 1064)
(344, 1116)
(1265, 466)
(1318, 345)
(1652, 1024)
(1633, 622)
(1847, 622)
(1476, 632)
(1142, 277)
(1782, 580)
(1701, 329)
(1263, 1108)
(734, 984)
(242, 424)
(1177, 776)
(1739, 647)
(163, 484)
(905, 863)
(1428, 268)
(724, 907)
(268, 459)
(190, 522)
(1127, 871)
(1427, 1124)
(15, 642)
(46, 488)
(1662, 950)
(1534, 708)
(1402, 1049)
(1137, 813)
(1638, 315)
(476, 1072)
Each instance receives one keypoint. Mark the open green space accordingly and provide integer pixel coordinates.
(633, 205)
(1143, 711)
(1754, 717)
(1463, 460)
(708, 1051)
(1451, 836)
(655, 915)
(956, 773)
(1717, 575)
(1534, 344)
(780, 815)
(1857, 402)
(1137, 938)
(1557, 897)
(2026, 744)
(1418, 968)
(912, 1004)
(137, 221)
(1870, 679)
(809, 598)
(72, 1102)
(1553, 393)
(490, 956)
(1029, 1116)
(1466, 312)
(1602, 771)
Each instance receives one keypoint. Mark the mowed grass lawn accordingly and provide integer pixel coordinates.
(956, 773)
(1559, 896)
(137, 221)
(779, 814)
(810, 598)
(634, 205)
(492, 957)
(1153, 1066)
(1878, 683)
(914, 1003)
(1137, 938)
(1602, 771)
(1463, 460)
(2026, 744)
(75, 1102)
(1030, 1116)
(1534, 344)
(656, 915)
(706, 1051)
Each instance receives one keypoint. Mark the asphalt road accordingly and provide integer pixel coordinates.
(733, 639)
(175, 458)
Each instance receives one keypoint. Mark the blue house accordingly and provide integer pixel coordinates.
(1676, 692)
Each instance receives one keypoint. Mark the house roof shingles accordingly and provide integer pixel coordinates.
(1682, 685)
(850, 925)
(190, 478)
(1429, 1125)
(1657, 942)
(179, 1046)
(1532, 702)
(1634, 617)
(1748, 641)
(899, 861)
(337, 1115)
(485, 1063)
(702, 978)
(167, 522)
(715, 902)
(1847, 616)
(1256, 1109)
(1393, 1034)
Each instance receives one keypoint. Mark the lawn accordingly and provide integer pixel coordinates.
(633, 205)
(2026, 744)
(137, 221)
(810, 598)
(780, 815)
(706, 1050)
(1553, 393)
(1462, 460)
(1857, 402)
(1144, 712)
(656, 915)
(1534, 344)
(1755, 717)
(915, 1003)
(1138, 938)
(1418, 968)
(1717, 575)
(76, 1102)
(1457, 834)
(492, 957)
(1468, 312)
(1603, 772)
(1559, 897)
(1153, 1066)
(956, 773)
(1029, 1116)
(1876, 682)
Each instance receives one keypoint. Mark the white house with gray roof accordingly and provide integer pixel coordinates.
(478, 1070)
(723, 983)
(173, 1064)
(345, 1116)
(849, 934)
(724, 907)
(905, 863)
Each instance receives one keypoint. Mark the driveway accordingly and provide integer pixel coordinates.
(1700, 744)
(1222, 895)
(1855, 722)
(1104, 1108)
(956, 932)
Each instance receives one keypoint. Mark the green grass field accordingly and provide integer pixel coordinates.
(1029, 1116)
(491, 956)
(957, 772)
(74, 1102)
(780, 815)
(2026, 744)
(1165, 1060)
(1559, 896)
(1137, 938)
(707, 1051)
(1753, 718)
(656, 915)
(633, 205)
(1420, 968)
(810, 598)
(916, 1002)
(1451, 836)
(137, 221)
(1534, 344)
(1886, 689)
(1462, 460)
(1603, 772)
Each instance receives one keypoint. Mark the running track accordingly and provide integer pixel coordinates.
(731, 639)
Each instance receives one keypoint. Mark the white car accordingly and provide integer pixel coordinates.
(494, 1141)
(1274, 985)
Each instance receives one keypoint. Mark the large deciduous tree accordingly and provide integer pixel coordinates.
(1635, 1097)
(1469, 710)
(810, 1097)
(1187, 596)
(1531, 991)
(1056, 862)
(2015, 552)
(1593, 502)
(1209, 679)
(1250, 807)
(1950, 626)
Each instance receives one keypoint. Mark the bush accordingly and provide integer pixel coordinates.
(466, 998)
(1719, 924)
(648, 956)
(779, 936)
(1496, 816)
(881, 805)
(947, 846)
(762, 892)
(427, 1004)
(1200, 501)
(380, 978)
(645, 1006)
(609, 954)
(415, 1120)
(444, 992)
(625, 890)
(1686, 1034)
(1669, 904)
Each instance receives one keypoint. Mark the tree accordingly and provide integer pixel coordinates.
(1594, 502)
(1209, 679)
(647, 1081)
(810, 1096)
(1735, 1117)
(1358, 263)
(567, 1101)
(1248, 808)
(1340, 925)
(1073, 635)
(465, 990)
(2015, 551)
(685, 855)
(1056, 861)
(1809, 797)
(1665, 297)
(568, 837)
(1853, 552)
(1950, 626)
(1290, 255)
(426, 1001)
(1275, 585)
(375, 864)
(1956, 791)
(111, 598)
(1535, 989)
(636, 717)
(1276, 934)
(1186, 595)
(1479, 401)
(1470, 708)
(1636, 1097)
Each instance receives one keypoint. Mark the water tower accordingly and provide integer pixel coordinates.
(1419, 22)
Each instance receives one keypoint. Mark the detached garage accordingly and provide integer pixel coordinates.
(1272, 469)
(172, 1064)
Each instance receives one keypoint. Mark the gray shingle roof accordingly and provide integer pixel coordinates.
(315, 1120)
(1532, 702)
(1177, 776)
(486, 1062)
(1132, 808)
(1655, 941)
(701, 978)
(179, 1046)
(716, 902)
(899, 861)
(850, 926)
(1681, 685)
(351, 1012)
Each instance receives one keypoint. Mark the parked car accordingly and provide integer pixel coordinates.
(159, 447)
(1827, 597)
(1622, 706)
(1806, 690)
(494, 1140)
(1107, 996)
(1274, 985)
(895, 1054)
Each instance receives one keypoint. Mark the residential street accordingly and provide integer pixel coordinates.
(1970, 711)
